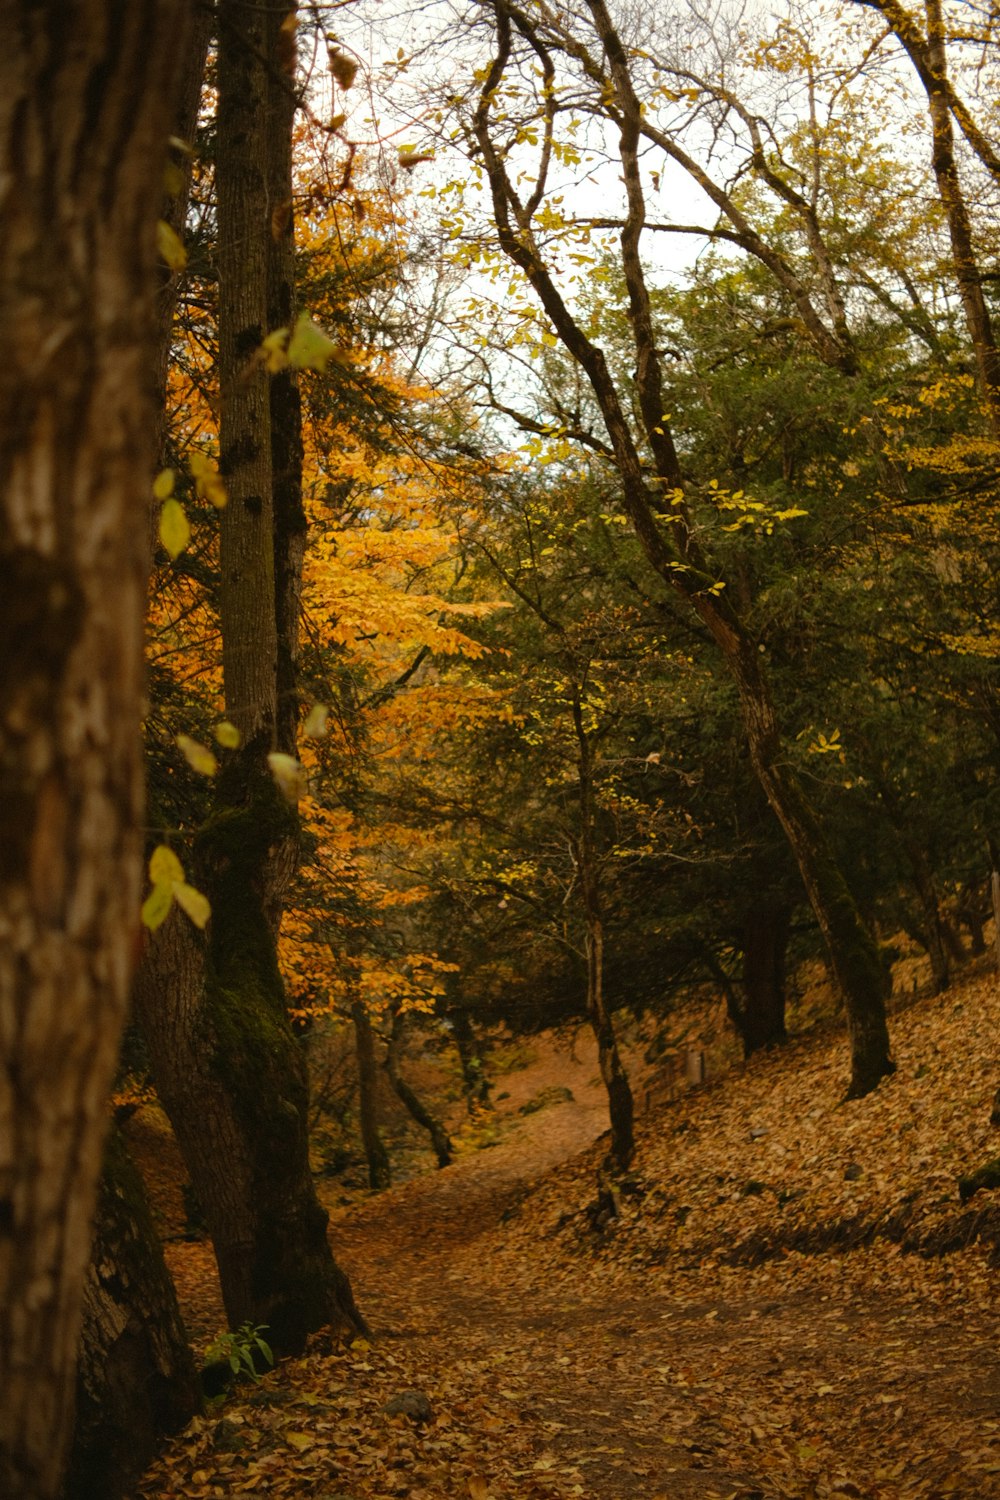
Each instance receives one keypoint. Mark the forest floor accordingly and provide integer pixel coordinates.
(792, 1303)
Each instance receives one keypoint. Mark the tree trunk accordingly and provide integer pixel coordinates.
(229, 1069)
(86, 100)
(670, 544)
(443, 1149)
(761, 1017)
(379, 1173)
(854, 955)
(621, 1106)
(137, 1381)
(477, 1085)
(232, 1077)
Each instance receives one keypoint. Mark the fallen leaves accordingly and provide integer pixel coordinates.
(648, 1361)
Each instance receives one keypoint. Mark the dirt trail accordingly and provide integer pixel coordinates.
(563, 1367)
(643, 1391)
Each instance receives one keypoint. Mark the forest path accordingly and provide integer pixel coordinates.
(561, 1365)
(643, 1391)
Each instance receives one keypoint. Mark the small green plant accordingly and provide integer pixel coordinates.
(238, 1349)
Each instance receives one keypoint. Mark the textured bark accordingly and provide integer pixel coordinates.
(227, 1064)
(379, 1173)
(232, 1078)
(86, 97)
(137, 1381)
(440, 1140)
(285, 405)
(249, 630)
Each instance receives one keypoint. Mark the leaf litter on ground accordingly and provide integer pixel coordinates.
(791, 1304)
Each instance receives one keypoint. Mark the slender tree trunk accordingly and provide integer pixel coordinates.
(137, 1381)
(379, 1173)
(665, 533)
(470, 1056)
(853, 952)
(761, 1020)
(440, 1140)
(86, 100)
(621, 1106)
(967, 271)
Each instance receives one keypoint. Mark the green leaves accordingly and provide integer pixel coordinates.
(166, 874)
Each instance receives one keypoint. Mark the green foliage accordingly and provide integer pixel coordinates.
(240, 1349)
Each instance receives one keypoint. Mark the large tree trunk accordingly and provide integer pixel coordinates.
(232, 1078)
(86, 100)
(854, 955)
(228, 1067)
(760, 1019)
(137, 1381)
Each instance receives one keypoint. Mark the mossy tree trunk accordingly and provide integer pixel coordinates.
(470, 1056)
(136, 1382)
(228, 1067)
(86, 102)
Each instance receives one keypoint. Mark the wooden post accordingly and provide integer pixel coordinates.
(695, 1068)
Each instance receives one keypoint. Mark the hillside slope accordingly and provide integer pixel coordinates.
(769, 1316)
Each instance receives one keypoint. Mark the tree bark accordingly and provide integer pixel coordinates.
(137, 1381)
(760, 1019)
(379, 1172)
(440, 1140)
(86, 100)
(228, 1067)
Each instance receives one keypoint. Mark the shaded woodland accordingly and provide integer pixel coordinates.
(530, 527)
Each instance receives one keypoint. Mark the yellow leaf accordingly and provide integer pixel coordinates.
(274, 351)
(156, 906)
(315, 726)
(198, 756)
(309, 347)
(207, 481)
(192, 902)
(169, 245)
(163, 484)
(299, 1440)
(175, 533)
(289, 775)
(164, 866)
(478, 1488)
(227, 735)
